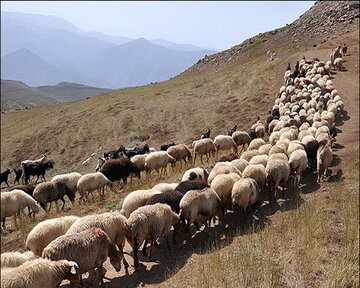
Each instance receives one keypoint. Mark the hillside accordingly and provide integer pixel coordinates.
(308, 239)
(18, 95)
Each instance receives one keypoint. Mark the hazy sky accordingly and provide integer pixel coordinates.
(214, 24)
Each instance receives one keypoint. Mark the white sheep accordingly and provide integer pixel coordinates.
(247, 155)
(240, 164)
(277, 148)
(15, 259)
(256, 144)
(324, 158)
(225, 143)
(139, 161)
(265, 149)
(338, 62)
(260, 131)
(70, 179)
(90, 182)
(46, 231)
(14, 202)
(222, 184)
(158, 161)
(222, 168)
(40, 273)
(165, 187)
(241, 138)
(245, 193)
(136, 199)
(180, 152)
(259, 159)
(293, 146)
(149, 223)
(203, 147)
(298, 162)
(277, 171)
(256, 172)
(195, 173)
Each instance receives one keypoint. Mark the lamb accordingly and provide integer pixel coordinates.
(199, 206)
(247, 155)
(14, 202)
(240, 164)
(298, 163)
(338, 62)
(244, 194)
(18, 174)
(36, 169)
(4, 177)
(165, 187)
(223, 184)
(46, 231)
(149, 223)
(203, 147)
(256, 172)
(222, 168)
(40, 273)
(225, 142)
(158, 161)
(241, 138)
(89, 249)
(180, 152)
(195, 173)
(324, 158)
(135, 200)
(187, 185)
(15, 259)
(119, 169)
(48, 192)
(91, 182)
(112, 223)
(256, 143)
(69, 179)
(259, 159)
(166, 146)
(277, 170)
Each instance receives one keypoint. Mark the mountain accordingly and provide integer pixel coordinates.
(176, 46)
(18, 95)
(74, 54)
(140, 62)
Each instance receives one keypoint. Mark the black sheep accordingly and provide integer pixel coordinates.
(18, 174)
(311, 151)
(166, 146)
(36, 169)
(29, 188)
(4, 177)
(185, 186)
(172, 198)
(119, 169)
(252, 133)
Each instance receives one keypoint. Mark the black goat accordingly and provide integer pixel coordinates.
(185, 186)
(135, 151)
(36, 169)
(119, 169)
(311, 152)
(206, 134)
(18, 174)
(166, 146)
(4, 177)
(232, 130)
(252, 133)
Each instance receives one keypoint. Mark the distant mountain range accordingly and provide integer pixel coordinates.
(18, 95)
(46, 50)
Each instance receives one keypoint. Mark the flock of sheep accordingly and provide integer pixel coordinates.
(300, 130)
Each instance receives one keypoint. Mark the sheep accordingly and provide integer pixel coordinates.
(134, 151)
(14, 202)
(149, 223)
(36, 169)
(274, 137)
(265, 149)
(277, 148)
(28, 189)
(256, 144)
(40, 273)
(112, 223)
(136, 199)
(46, 231)
(222, 168)
(307, 139)
(42, 159)
(260, 131)
(203, 147)
(48, 192)
(18, 174)
(165, 187)
(139, 161)
(89, 249)
(91, 182)
(70, 179)
(223, 184)
(324, 158)
(240, 164)
(15, 259)
(298, 163)
(195, 173)
(259, 159)
(256, 172)
(241, 138)
(293, 146)
(206, 134)
(158, 160)
(199, 206)
(247, 155)
(187, 185)
(172, 198)
(101, 161)
(244, 194)
(119, 169)
(228, 157)
(180, 152)
(276, 171)
(338, 62)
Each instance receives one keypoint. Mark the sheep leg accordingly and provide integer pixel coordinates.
(62, 199)
(167, 242)
(43, 177)
(144, 248)
(3, 222)
(101, 275)
(135, 250)
(151, 248)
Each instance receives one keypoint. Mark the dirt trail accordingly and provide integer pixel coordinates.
(155, 271)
